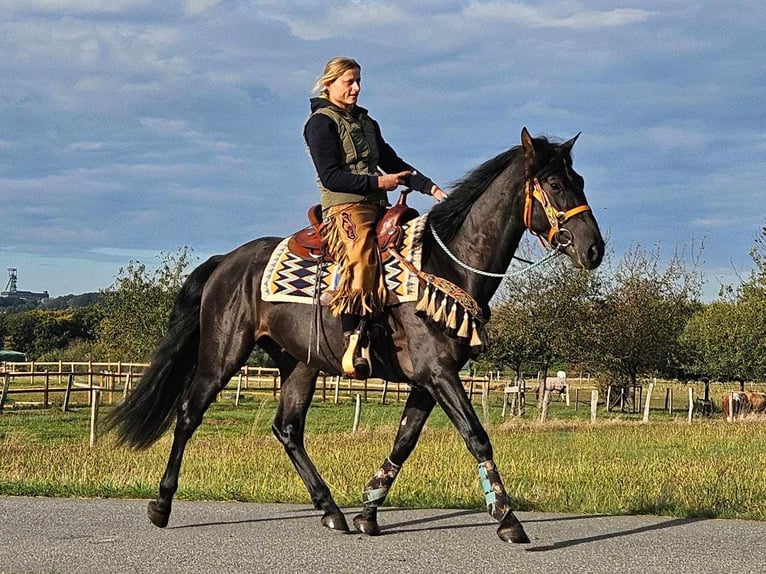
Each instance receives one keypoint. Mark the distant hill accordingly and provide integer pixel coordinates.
(11, 304)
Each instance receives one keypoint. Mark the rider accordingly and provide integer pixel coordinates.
(355, 168)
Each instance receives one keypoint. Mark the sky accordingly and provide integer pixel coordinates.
(129, 128)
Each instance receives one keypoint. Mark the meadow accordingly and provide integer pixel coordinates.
(617, 465)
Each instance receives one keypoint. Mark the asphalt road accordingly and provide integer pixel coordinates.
(46, 535)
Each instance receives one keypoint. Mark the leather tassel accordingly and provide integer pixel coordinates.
(432, 304)
(463, 331)
(441, 311)
(423, 303)
(476, 337)
(452, 317)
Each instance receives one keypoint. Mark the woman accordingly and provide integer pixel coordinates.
(355, 168)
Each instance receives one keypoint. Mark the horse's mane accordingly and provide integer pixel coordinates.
(448, 216)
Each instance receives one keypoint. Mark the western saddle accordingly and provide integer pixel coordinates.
(308, 244)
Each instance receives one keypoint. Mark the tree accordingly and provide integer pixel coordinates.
(137, 306)
(539, 316)
(636, 324)
(40, 333)
(725, 340)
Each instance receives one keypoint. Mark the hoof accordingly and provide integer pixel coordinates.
(158, 518)
(366, 525)
(513, 533)
(335, 521)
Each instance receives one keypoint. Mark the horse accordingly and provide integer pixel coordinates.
(219, 317)
(743, 403)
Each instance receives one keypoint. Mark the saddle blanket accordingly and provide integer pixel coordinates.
(289, 278)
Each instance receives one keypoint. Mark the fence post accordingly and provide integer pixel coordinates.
(385, 390)
(593, 405)
(239, 389)
(6, 384)
(95, 400)
(485, 400)
(546, 402)
(45, 391)
(608, 398)
(730, 417)
(67, 394)
(337, 388)
(691, 403)
(648, 402)
(357, 413)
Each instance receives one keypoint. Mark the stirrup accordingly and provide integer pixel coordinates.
(356, 364)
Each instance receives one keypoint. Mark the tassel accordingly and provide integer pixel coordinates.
(476, 337)
(432, 304)
(452, 317)
(423, 303)
(463, 331)
(441, 311)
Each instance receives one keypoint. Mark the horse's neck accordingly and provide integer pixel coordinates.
(488, 238)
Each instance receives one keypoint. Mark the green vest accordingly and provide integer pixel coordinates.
(360, 154)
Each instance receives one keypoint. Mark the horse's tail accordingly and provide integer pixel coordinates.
(146, 413)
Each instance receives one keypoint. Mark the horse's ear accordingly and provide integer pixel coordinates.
(569, 144)
(527, 144)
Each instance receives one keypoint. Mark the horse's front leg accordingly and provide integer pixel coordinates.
(451, 396)
(419, 405)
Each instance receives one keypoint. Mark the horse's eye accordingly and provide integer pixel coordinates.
(555, 186)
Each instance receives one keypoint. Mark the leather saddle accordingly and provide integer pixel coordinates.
(307, 243)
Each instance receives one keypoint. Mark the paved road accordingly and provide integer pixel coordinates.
(44, 535)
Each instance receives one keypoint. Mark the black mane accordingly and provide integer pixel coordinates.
(448, 216)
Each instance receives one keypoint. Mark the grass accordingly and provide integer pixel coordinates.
(616, 466)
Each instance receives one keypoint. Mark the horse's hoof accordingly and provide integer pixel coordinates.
(158, 518)
(366, 525)
(335, 521)
(512, 533)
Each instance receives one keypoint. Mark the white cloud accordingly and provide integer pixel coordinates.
(197, 7)
(534, 16)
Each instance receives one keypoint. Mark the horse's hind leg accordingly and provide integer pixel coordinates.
(298, 384)
(419, 405)
(201, 394)
(218, 360)
(452, 398)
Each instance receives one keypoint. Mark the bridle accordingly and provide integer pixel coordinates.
(556, 218)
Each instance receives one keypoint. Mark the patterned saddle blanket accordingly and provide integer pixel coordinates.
(290, 278)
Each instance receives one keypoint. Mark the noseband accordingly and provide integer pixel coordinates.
(555, 217)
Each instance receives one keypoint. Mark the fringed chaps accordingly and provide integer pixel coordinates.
(349, 232)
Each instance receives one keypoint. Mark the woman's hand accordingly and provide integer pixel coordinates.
(438, 193)
(390, 181)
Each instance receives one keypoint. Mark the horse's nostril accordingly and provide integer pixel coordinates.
(594, 254)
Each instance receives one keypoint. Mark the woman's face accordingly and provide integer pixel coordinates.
(344, 90)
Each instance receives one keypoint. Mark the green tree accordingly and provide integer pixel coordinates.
(636, 323)
(726, 340)
(137, 306)
(539, 317)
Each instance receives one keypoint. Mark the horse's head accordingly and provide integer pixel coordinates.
(555, 206)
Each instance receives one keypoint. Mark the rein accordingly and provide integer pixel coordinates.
(532, 265)
(556, 218)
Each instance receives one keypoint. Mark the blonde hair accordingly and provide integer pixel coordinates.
(333, 70)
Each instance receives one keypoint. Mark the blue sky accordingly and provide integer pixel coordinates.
(133, 127)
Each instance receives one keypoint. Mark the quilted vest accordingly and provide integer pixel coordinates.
(360, 154)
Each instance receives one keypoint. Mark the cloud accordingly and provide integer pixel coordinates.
(180, 122)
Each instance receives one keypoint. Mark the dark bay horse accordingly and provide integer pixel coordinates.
(219, 317)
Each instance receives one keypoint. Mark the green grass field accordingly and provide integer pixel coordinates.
(618, 465)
